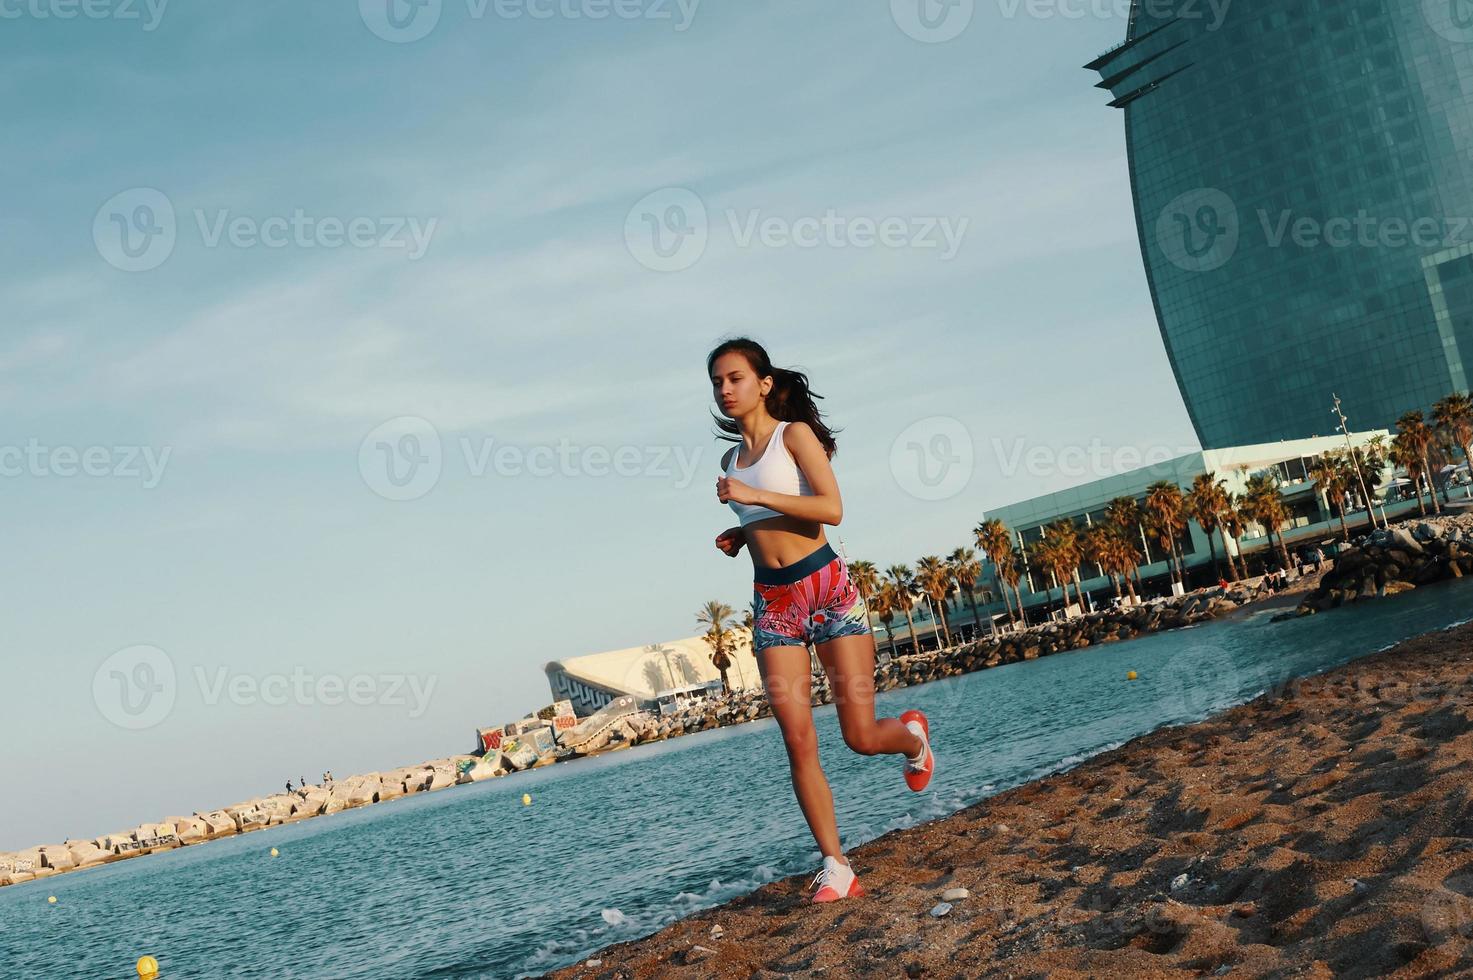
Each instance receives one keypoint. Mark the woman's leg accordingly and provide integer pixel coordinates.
(786, 678)
(850, 663)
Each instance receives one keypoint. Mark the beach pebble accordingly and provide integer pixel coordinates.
(955, 894)
(1179, 882)
(592, 963)
(697, 953)
(1002, 828)
(717, 932)
(940, 909)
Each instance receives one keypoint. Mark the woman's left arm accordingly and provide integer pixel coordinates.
(824, 506)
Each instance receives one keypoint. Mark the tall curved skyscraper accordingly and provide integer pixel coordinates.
(1303, 183)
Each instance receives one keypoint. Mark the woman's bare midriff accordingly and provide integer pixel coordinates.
(779, 541)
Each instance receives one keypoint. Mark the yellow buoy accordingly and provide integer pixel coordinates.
(148, 967)
(50, 899)
(275, 852)
(1130, 676)
(526, 799)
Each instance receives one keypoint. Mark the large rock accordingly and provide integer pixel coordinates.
(1427, 532)
(155, 837)
(57, 857)
(356, 791)
(85, 854)
(218, 823)
(309, 801)
(480, 772)
(248, 817)
(190, 830)
(1404, 540)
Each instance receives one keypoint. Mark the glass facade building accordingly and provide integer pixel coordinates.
(1302, 177)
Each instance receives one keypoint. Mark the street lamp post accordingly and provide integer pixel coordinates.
(1355, 460)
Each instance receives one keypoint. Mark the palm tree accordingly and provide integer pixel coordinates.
(994, 538)
(934, 578)
(1204, 504)
(1232, 523)
(1262, 503)
(1331, 472)
(904, 582)
(1047, 554)
(883, 607)
(1454, 417)
(718, 616)
(1097, 543)
(1010, 572)
(1166, 519)
(1404, 454)
(1420, 439)
(1125, 556)
(1066, 535)
(966, 569)
(866, 578)
(1125, 513)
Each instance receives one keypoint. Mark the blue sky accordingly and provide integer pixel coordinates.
(261, 558)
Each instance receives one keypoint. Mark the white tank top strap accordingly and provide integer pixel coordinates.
(775, 470)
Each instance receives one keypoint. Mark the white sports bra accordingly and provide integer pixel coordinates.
(775, 470)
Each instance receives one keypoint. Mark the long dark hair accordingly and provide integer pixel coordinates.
(790, 400)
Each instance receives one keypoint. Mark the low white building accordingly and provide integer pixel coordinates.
(644, 672)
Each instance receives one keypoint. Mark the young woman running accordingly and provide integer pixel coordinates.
(778, 480)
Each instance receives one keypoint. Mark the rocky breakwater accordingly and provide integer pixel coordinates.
(1093, 629)
(1388, 562)
(736, 708)
(238, 818)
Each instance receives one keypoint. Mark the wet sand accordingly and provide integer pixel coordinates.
(1322, 830)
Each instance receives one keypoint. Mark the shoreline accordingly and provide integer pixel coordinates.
(1324, 828)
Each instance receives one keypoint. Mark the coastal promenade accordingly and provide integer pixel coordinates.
(1324, 829)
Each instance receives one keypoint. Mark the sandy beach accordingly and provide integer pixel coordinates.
(1324, 829)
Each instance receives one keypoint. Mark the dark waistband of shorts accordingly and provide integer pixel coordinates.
(797, 571)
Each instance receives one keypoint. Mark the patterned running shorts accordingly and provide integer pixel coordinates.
(811, 599)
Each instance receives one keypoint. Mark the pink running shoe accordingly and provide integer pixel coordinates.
(836, 880)
(918, 771)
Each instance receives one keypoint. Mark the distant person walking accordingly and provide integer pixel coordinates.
(779, 482)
